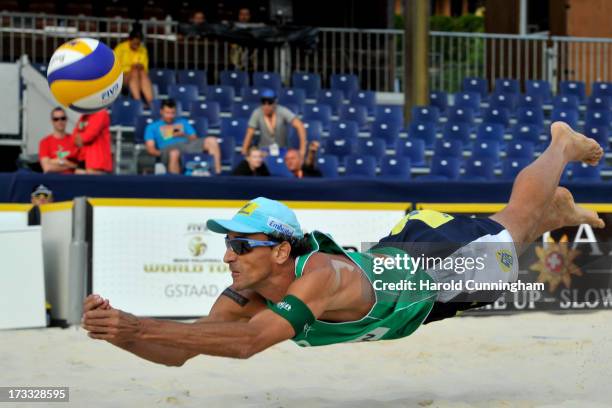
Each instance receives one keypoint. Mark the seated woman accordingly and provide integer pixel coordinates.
(134, 60)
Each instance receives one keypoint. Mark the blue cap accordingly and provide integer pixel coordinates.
(268, 94)
(260, 215)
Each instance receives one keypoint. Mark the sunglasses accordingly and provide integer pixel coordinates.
(56, 119)
(41, 195)
(268, 101)
(242, 246)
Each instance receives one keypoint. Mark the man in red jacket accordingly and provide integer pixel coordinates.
(92, 135)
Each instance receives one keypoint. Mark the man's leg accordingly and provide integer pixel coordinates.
(174, 161)
(212, 147)
(535, 186)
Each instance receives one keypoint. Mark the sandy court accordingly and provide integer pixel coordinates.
(527, 360)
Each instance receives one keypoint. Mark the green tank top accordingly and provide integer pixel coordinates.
(395, 314)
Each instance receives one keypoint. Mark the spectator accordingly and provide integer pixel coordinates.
(57, 152)
(299, 167)
(273, 122)
(197, 25)
(241, 56)
(170, 136)
(134, 60)
(252, 165)
(92, 135)
(41, 194)
(244, 15)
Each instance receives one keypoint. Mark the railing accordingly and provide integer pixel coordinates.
(376, 56)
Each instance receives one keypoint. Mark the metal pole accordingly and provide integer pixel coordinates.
(416, 33)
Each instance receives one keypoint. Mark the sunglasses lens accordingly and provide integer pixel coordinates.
(239, 247)
(58, 119)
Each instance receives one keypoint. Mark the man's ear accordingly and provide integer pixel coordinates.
(281, 252)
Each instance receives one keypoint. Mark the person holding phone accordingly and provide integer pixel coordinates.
(169, 137)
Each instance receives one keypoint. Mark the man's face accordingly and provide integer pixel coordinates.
(292, 160)
(58, 120)
(244, 15)
(41, 199)
(268, 107)
(168, 114)
(251, 268)
(135, 43)
(255, 158)
(198, 18)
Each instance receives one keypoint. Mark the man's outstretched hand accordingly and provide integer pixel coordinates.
(103, 322)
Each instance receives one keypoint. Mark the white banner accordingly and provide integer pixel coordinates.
(14, 216)
(156, 257)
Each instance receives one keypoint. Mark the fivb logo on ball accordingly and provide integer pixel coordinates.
(84, 75)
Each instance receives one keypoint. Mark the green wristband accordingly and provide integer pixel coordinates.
(295, 312)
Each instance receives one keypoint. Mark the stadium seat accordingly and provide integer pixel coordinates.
(478, 85)
(243, 109)
(520, 150)
(469, 100)
(125, 112)
(234, 128)
(598, 117)
(197, 164)
(440, 100)
(567, 115)
(443, 169)
(228, 148)
(184, 93)
(582, 172)
(448, 148)
(223, 94)
(314, 129)
(390, 114)
(486, 150)
(530, 116)
(490, 132)
(251, 94)
(156, 106)
(388, 132)
(457, 132)
(332, 98)
(423, 131)
(539, 88)
(397, 167)
(269, 80)
(360, 166)
(201, 126)
(478, 169)
(162, 78)
(512, 167)
(603, 89)
(460, 115)
(235, 79)
(364, 98)
(321, 113)
(577, 88)
(293, 96)
(339, 147)
(525, 132)
(371, 147)
(277, 167)
(425, 114)
(599, 133)
(599, 102)
(507, 86)
(343, 129)
(529, 101)
(209, 110)
(328, 164)
(192, 77)
(414, 149)
(566, 102)
(496, 115)
(348, 84)
(355, 113)
(309, 82)
(503, 101)
(141, 125)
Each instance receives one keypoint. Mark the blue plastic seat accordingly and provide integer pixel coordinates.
(201, 126)
(457, 132)
(141, 124)
(512, 167)
(360, 166)
(371, 147)
(235, 79)
(539, 88)
(347, 83)
(530, 116)
(496, 115)
(443, 168)
(439, 99)
(364, 98)
(599, 102)
(223, 94)
(269, 80)
(478, 85)
(251, 94)
(319, 112)
(243, 110)
(277, 167)
(486, 150)
(162, 78)
(332, 98)
(228, 149)
(600, 88)
(478, 169)
(491, 132)
(577, 88)
(209, 110)
(328, 164)
(460, 115)
(507, 86)
(390, 114)
(314, 129)
(414, 149)
(566, 102)
(193, 77)
(599, 133)
(582, 172)
(448, 148)
(234, 128)
(469, 100)
(503, 101)
(397, 167)
(339, 147)
(598, 117)
(308, 81)
(529, 101)
(423, 131)
(355, 113)
(520, 150)
(567, 115)
(293, 96)
(425, 114)
(184, 93)
(389, 132)
(125, 112)
(343, 129)
(525, 132)
(197, 164)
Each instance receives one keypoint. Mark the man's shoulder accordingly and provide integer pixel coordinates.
(46, 139)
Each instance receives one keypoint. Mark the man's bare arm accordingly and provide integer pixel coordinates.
(50, 165)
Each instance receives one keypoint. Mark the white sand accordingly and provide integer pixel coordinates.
(527, 360)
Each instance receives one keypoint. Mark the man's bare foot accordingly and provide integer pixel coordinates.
(571, 214)
(578, 147)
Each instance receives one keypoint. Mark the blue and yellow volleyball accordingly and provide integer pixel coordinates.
(84, 75)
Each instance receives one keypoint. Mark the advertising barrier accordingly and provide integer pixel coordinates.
(14, 216)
